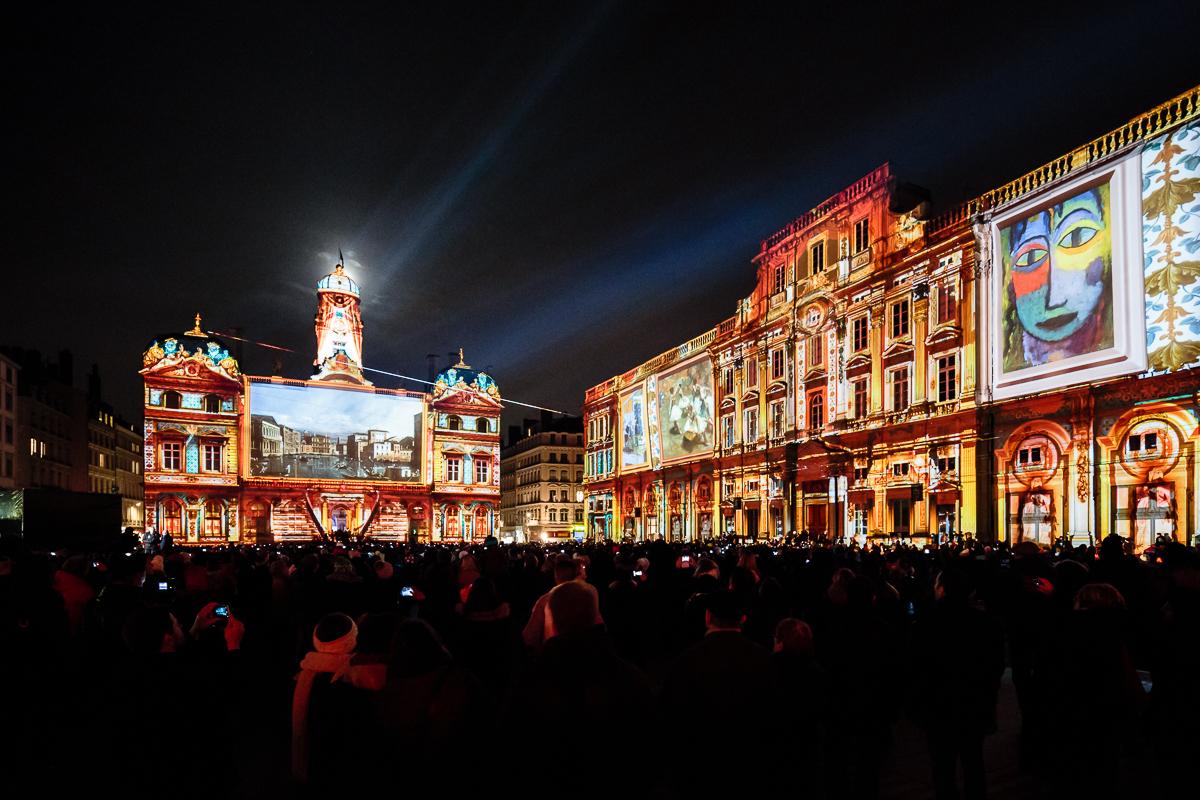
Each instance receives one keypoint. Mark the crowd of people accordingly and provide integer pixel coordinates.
(602, 669)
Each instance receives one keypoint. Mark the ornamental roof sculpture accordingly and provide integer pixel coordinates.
(462, 378)
(189, 350)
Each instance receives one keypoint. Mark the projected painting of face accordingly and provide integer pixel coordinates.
(1058, 281)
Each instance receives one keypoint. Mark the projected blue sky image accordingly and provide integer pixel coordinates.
(334, 412)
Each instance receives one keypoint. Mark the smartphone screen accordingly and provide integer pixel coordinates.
(406, 591)
(221, 611)
(163, 586)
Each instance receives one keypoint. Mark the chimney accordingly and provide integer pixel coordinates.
(547, 419)
(66, 367)
(433, 370)
(94, 384)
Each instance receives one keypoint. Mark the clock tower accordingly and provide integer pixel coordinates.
(339, 329)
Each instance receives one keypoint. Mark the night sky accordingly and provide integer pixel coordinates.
(563, 190)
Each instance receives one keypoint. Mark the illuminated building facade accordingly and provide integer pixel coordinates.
(236, 458)
(1021, 367)
(541, 481)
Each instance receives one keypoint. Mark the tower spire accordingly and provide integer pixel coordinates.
(196, 330)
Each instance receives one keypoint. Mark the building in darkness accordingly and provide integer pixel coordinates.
(541, 480)
(9, 370)
(51, 444)
(1021, 367)
(236, 458)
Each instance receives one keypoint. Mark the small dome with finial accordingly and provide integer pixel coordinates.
(462, 371)
(338, 281)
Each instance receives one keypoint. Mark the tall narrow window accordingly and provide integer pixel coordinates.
(816, 351)
(751, 373)
(899, 388)
(947, 303)
(751, 425)
(453, 468)
(778, 278)
(859, 331)
(777, 418)
(728, 431)
(213, 519)
(482, 470)
(860, 398)
(862, 236)
(900, 319)
(816, 257)
(777, 364)
(816, 410)
(947, 372)
(727, 380)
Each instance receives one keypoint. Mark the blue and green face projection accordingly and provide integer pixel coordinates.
(1057, 299)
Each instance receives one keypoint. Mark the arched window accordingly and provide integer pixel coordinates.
(454, 422)
(212, 403)
(816, 411)
(214, 519)
(481, 425)
(173, 400)
(172, 517)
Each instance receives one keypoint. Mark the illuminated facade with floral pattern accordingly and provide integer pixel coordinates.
(235, 458)
(1021, 367)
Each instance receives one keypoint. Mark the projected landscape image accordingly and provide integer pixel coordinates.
(328, 433)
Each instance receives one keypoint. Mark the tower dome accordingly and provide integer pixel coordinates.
(338, 281)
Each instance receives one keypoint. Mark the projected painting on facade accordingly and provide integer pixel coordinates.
(685, 409)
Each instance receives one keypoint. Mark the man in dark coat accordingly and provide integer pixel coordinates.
(958, 658)
(579, 694)
(719, 691)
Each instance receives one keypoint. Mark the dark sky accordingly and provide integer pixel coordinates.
(562, 189)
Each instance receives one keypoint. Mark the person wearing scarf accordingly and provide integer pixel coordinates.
(334, 639)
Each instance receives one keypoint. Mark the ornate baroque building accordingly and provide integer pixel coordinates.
(236, 458)
(1021, 367)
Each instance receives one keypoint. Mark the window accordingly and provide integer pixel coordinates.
(777, 419)
(860, 398)
(860, 474)
(777, 364)
(900, 319)
(816, 410)
(727, 380)
(862, 235)
(481, 425)
(816, 353)
(453, 468)
(172, 517)
(900, 469)
(947, 378)
(212, 457)
(751, 374)
(212, 403)
(899, 393)
(860, 333)
(553, 496)
(173, 400)
(947, 463)
(900, 515)
(1143, 442)
(454, 423)
(947, 303)
(858, 522)
(8, 431)
(213, 519)
(751, 425)
(1029, 456)
(579, 515)
(778, 278)
(172, 455)
(482, 469)
(728, 431)
(816, 258)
